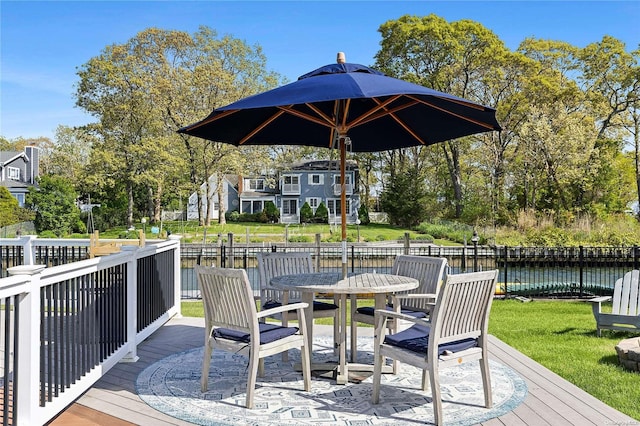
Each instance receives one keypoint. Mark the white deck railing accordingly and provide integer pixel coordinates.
(36, 294)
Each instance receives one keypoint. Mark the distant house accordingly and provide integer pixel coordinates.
(19, 171)
(313, 182)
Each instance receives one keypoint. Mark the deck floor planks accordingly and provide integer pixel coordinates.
(551, 400)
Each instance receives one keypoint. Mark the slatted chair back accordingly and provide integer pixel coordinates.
(462, 310)
(429, 271)
(227, 298)
(626, 294)
(273, 264)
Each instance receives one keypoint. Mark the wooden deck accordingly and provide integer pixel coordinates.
(551, 400)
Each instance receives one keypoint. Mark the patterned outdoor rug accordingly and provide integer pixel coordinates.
(172, 385)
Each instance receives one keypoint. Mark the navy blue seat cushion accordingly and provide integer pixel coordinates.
(416, 339)
(317, 306)
(268, 333)
(369, 310)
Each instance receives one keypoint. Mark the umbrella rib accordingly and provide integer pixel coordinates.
(396, 119)
(210, 119)
(479, 123)
(260, 127)
(324, 120)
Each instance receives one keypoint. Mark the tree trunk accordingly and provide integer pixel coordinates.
(222, 208)
(453, 164)
(130, 205)
(157, 207)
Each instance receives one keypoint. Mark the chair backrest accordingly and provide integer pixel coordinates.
(228, 298)
(429, 271)
(462, 309)
(273, 264)
(626, 294)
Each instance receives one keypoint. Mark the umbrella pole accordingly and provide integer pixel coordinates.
(343, 205)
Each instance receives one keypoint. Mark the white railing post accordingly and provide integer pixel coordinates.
(28, 254)
(177, 288)
(132, 304)
(28, 368)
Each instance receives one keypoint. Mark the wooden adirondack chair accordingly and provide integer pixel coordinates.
(625, 313)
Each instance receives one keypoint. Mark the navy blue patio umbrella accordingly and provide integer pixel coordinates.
(346, 106)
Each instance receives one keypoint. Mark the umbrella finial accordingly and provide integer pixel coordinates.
(341, 58)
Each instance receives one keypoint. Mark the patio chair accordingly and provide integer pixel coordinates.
(272, 264)
(625, 311)
(231, 324)
(456, 332)
(429, 271)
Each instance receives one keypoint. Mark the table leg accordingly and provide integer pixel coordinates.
(308, 319)
(343, 371)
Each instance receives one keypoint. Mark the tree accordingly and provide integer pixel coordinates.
(54, 203)
(404, 197)
(460, 58)
(207, 73)
(9, 208)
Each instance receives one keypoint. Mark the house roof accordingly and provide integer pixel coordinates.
(322, 165)
(7, 157)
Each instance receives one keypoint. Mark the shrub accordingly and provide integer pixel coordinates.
(271, 211)
(306, 213)
(363, 215)
(322, 214)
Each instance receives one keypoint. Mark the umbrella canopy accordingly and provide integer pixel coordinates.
(344, 106)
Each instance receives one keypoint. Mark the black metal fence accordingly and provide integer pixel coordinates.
(552, 272)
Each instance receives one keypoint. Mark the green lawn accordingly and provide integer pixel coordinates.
(561, 336)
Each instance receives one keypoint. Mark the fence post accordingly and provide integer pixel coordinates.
(581, 267)
(231, 253)
(28, 253)
(318, 252)
(406, 243)
(132, 303)
(28, 368)
(506, 256)
(177, 274)
(636, 257)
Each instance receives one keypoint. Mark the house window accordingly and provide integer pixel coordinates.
(334, 206)
(13, 173)
(289, 207)
(347, 178)
(256, 184)
(291, 180)
(316, 179)
(314, 202)
(20, 198)
(258, 206)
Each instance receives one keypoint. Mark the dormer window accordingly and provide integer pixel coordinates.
(256, 184)
(13, 173)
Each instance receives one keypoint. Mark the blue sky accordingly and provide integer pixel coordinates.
(43, 43)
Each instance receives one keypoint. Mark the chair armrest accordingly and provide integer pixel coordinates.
(383, 315)
(400, 297)
(600, 299)
(283, 308)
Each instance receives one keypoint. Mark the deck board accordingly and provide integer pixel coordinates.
(550, 400)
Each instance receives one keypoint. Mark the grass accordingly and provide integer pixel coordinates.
(265, 232)
(560, 335)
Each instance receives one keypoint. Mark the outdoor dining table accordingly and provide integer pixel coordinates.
(380, 285)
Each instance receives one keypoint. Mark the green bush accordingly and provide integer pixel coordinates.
(306, 213)
(300, 239)
(322, 214)
(272, 212)
(47, 234)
